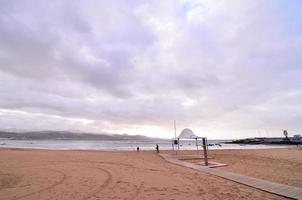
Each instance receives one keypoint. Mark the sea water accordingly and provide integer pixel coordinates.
(124, 145)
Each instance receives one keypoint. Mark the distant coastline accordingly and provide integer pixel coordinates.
(66, 135)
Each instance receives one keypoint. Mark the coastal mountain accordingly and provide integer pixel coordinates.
(66, 135)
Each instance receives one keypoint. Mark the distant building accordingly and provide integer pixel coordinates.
(187, 134)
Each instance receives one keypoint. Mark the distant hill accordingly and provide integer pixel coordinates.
(66, 135)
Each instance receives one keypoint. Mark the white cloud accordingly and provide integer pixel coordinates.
(224, 68)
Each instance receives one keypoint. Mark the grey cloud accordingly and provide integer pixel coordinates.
(44, 52)
(136, 64)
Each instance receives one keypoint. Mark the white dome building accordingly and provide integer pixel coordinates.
(187, 134)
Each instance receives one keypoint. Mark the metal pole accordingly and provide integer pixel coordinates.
(173, 144)
(174, 135)
(205, 151)
(175, 129)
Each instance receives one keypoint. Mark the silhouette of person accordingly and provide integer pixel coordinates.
(137, 149)
(157, 148)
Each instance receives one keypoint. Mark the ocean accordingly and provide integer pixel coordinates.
(122, 145)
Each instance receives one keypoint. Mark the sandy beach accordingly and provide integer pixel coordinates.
(78, 175)
(276, 165)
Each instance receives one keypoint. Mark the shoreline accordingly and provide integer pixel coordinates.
(122, 145)
(134, 149)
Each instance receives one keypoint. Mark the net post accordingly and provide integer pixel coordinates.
(205, 151)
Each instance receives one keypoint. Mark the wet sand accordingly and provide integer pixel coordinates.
(79, 175)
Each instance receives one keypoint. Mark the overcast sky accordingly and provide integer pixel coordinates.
(224, 68)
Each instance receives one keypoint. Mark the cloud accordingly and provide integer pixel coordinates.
(225, 69)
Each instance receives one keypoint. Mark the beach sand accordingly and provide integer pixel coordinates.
(78, 175)
(276, 165)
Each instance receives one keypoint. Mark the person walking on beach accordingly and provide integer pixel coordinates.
(157, 148)
(137, 149)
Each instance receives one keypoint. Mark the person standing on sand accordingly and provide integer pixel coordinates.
(157, 148)
(137, 149)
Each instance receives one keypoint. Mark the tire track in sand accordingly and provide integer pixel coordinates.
(64, 176)
(102, 186)
(110, 174)
(137, 191)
